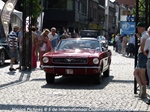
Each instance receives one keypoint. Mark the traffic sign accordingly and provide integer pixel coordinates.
(127, 27)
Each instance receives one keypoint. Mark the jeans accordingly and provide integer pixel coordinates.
(142, 60)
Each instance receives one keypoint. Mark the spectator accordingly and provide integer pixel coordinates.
(13, 46)
(116, 40)
(20, 39)
(53, 37)
(142, 59)
(131, 45)
(147, 53)
(44, 41)
(34, 47)
(38, 47)
(69, 35)
(124, 43)
(119, 44)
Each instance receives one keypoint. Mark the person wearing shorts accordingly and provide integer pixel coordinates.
(142, 58)
(13, 46)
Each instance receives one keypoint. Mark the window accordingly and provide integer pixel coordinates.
(61, 4)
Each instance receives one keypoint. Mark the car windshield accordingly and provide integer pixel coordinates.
(79, 44)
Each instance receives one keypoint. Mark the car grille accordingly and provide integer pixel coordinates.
(70, 60)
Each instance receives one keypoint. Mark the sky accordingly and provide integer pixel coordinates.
(112, 0)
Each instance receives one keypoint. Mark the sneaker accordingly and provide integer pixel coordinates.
(12, 69)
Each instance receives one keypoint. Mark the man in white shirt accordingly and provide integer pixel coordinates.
(142, 58)
(147, 53)
(131, 44)
(53, 36)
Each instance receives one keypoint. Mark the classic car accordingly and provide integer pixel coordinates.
(77, 56)
(4, 50)
(89, 33)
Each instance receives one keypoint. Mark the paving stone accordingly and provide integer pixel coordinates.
(28, 91)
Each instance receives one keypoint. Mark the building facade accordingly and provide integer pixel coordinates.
(74, 15)
(127, 3)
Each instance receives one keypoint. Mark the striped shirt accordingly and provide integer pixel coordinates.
(13, 37)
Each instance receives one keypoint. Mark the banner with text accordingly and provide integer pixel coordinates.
(6, 15)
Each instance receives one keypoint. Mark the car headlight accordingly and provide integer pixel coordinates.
(95, 60)
(45, 60)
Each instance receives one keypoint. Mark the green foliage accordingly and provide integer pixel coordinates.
(141, 9)
(31, 6)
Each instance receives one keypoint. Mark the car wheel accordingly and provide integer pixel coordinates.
(106, 73)
(97, 78)
(50, 78)
(2, 57)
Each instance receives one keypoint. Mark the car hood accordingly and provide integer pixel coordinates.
(73, 53)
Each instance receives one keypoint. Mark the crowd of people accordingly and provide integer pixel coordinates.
(124, 44)
(42, 42)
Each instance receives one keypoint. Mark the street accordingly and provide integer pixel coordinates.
(28, 91)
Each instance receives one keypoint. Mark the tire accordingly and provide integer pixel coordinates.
(50, 78)
(106, 73)
(97, 78)
(2, 57)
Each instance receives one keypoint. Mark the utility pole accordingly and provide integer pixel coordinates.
(27, 41)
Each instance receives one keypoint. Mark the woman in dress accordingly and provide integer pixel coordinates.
(45, 44)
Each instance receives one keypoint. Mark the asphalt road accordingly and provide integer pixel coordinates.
(28, 91)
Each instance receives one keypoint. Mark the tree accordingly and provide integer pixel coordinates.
(142, 10)
(36, 8)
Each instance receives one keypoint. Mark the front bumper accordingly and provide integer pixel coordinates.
(72, 70)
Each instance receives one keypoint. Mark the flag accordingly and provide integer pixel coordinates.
(6, 15)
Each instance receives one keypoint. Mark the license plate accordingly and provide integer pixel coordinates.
(69, 71)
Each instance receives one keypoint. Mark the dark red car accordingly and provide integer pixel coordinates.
(77, 56)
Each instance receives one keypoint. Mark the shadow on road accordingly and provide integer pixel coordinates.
(70, 82)
(18, 81)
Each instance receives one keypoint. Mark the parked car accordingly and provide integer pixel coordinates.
(89, 33)
(77, 56)
(4, 50)
(103, 41)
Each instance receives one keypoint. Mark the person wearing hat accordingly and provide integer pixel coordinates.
(142, 59)
(13, 46)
